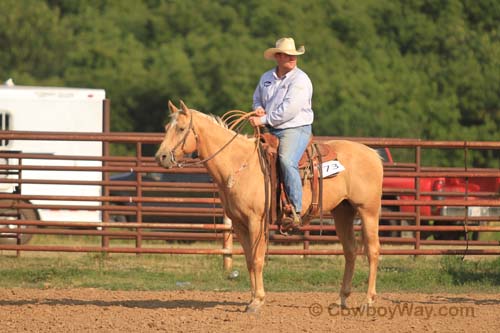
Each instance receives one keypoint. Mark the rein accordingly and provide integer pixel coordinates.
(237, 126)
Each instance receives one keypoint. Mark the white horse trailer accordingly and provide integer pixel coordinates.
(50, 109)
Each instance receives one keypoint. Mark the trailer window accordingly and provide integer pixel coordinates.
(4, 125)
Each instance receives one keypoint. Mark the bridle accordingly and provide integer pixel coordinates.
(182, 143)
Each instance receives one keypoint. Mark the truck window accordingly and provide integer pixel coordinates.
(4, 125)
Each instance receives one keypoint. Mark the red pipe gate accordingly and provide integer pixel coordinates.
(152, 213)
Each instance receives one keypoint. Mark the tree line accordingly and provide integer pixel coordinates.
(426, 69)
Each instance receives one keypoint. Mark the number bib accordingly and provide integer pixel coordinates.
(331, 168)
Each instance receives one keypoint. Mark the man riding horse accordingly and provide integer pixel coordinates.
(282, 103)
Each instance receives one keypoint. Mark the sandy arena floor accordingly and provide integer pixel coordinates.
(92, 310)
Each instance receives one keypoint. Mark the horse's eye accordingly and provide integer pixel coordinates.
(180, 129)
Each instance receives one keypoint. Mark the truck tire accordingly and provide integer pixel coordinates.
(474, 235)
(7, 214)
(450, 235)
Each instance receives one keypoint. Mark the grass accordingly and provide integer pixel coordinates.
(203, 272)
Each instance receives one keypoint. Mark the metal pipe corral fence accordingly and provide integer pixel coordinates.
(143, 208)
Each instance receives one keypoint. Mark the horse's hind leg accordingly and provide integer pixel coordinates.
(370, 217)
(344, 217)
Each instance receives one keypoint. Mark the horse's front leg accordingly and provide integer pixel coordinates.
(253, 240)
(257, 257)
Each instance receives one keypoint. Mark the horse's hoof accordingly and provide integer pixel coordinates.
(342, 303)
(364, 307)
(254, 306)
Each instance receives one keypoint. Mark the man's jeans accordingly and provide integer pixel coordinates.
(293, 143)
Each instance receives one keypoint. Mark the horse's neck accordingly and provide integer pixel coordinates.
(233, 158)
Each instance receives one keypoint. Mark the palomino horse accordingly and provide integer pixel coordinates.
(233, 163)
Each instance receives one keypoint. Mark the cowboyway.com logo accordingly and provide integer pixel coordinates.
(402, 310)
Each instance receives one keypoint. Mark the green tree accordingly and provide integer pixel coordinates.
(34, 42)
(402, 68)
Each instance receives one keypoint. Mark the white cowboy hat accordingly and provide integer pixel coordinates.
(284, 45)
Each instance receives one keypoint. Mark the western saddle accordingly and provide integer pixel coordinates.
(309, 167)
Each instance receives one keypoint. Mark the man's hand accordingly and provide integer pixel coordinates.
(259, 112)
(255, 120)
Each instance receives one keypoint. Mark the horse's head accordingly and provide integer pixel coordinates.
(180, 137)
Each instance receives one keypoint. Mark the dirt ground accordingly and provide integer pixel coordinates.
(93, 310)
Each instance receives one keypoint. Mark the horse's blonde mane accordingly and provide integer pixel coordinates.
(214, 118)
(219, 121)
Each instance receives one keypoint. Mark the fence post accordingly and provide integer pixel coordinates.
(418, 160)
(105, 153)
(138, 212)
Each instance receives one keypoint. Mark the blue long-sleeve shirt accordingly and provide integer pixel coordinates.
(287, 100)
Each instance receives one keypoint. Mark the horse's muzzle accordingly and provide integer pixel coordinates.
(163, 160)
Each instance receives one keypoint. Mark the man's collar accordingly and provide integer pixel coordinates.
(284, 76)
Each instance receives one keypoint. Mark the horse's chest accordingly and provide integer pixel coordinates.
(237, 205)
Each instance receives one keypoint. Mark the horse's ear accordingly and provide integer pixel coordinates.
(172, 107)
(185, 109)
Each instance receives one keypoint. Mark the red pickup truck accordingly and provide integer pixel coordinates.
(438, 188)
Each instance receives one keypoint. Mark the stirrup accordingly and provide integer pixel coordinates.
(290, 224)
